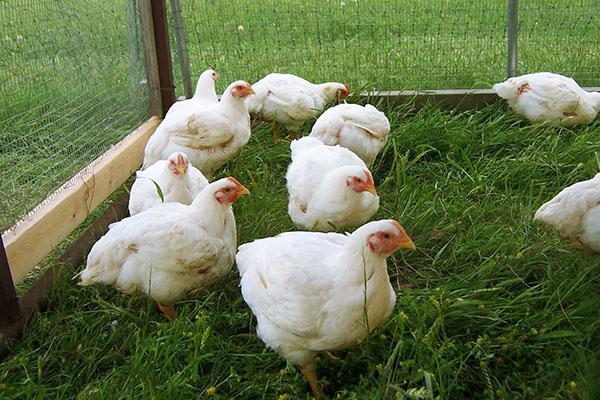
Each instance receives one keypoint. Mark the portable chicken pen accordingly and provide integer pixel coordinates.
(43, 227)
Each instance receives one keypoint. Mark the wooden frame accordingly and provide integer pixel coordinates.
(159, 68)
(35, 298)
(457, 99)
(29, 241)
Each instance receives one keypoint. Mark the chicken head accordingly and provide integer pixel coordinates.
(362, 183)
(230, 190)
(241, 90)
(178, 163)
(389, 238)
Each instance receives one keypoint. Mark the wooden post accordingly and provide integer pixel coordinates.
(182, 52)
(150, 57)
(163, 53)
(9, 302)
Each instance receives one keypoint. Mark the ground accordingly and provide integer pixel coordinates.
(490, 305)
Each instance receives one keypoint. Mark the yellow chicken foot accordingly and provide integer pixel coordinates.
(169, 311)
(310, 374)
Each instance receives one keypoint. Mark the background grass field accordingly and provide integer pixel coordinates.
(491, 305)
(72, 75)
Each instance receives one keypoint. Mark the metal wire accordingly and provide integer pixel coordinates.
(561, 36)
(72, 83)
(389, 44)
(72, 79)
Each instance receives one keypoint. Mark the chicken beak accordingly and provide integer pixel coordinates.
(370, 183)
(181, 165)
(406, 243)
(242, 191)
(403, 241)
(249, 91)
(371, 189)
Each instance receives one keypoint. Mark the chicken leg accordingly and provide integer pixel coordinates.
(168, 310)
(276, 131)
(310, 373)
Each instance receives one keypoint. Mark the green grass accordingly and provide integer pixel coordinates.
(491, 305)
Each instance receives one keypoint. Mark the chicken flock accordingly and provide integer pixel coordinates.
(315, 290)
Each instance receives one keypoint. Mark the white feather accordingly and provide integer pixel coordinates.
(290, 100)
(545, 96)
(575, 212)
(364, 130)
(168, 250)
(307, 290)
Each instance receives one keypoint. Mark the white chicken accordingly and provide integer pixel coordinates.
(290, 101)
(575, 213)
(178, 181)
(545, 96)
(364, 130)
(209, 135)
(171, 249)
(330, 188)
(205, 93)
(313, 292)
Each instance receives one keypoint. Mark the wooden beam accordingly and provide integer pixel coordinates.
(150, 57)
(163, 54)
(448, 98)
(182, 51)
(459, 99)
(30, 240)
(35, 299)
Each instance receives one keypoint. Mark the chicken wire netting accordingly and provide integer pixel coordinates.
(387, 44)
(561, 36)
(72, 83)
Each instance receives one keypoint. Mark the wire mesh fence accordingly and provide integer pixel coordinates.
(72, 79)
(72, 83)
(390, 44)
(561, 36)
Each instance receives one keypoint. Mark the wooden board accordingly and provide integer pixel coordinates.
(35, 299)
(458, 99)
(28, 242)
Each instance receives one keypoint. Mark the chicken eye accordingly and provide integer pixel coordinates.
(386, 236)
